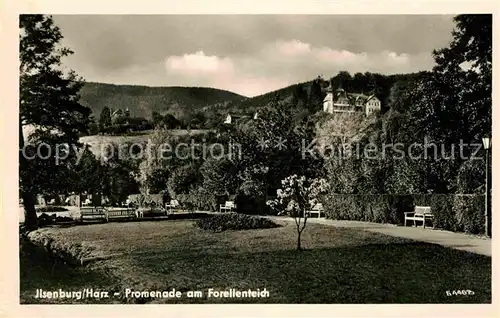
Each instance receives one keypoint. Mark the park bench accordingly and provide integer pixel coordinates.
(119, 213)
(91, 212)
(228, 206)
(171, 206)
(317, 208)
(420, 213)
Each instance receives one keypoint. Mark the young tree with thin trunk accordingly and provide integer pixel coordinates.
(298, 196)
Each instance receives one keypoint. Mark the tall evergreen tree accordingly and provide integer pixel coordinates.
(48, 100)
(105, 118)
(316, 96)
(299, 96)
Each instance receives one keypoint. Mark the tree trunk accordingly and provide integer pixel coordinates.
(26, 184)
(299, 248)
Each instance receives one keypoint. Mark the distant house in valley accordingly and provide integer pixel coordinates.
(340, 101)
(119, 114)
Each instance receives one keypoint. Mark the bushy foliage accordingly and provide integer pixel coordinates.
(131, 127)
(234, 222)
(183, 179)
(118, 176)
(168, 121)
(251, 198)
(146, 200)
(198, 199)
(45, 219)
(459, 212)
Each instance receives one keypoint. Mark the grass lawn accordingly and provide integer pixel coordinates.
(100, 142)
(338, 265)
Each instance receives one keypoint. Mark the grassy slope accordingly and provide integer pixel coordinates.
(37, 270)
(339, 265)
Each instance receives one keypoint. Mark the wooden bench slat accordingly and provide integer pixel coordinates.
(229, 205)
(419, 213)
(317, 208)
(92, 213)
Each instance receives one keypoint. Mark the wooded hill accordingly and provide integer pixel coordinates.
(205, 108)
(385, 87)
(142, 101)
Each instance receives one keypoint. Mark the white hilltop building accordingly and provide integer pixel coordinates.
(232, 119)
(342, 102)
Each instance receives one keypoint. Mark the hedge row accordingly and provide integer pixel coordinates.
(460, 212)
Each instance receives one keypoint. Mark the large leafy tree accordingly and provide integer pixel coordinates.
(49, 101)
(272, 148)
(119, 173)
(446, 107)
(439, 110)
(157, 166)
(87, 175)
(454, 104)
(464, 69)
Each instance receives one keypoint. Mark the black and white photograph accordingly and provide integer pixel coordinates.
(255, 158)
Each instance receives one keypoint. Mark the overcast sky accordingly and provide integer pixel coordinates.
(251, 54)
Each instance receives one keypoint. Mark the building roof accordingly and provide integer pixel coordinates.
(371, 97)
(352, 97)
(116, 112)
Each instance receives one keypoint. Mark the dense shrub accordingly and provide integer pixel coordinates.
(370, 208)
(45, 219)
(49, 209)
(59, 247)
(250, 198)
(451, 212)
(234, 222)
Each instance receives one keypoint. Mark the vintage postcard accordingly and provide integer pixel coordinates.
(261, 158)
